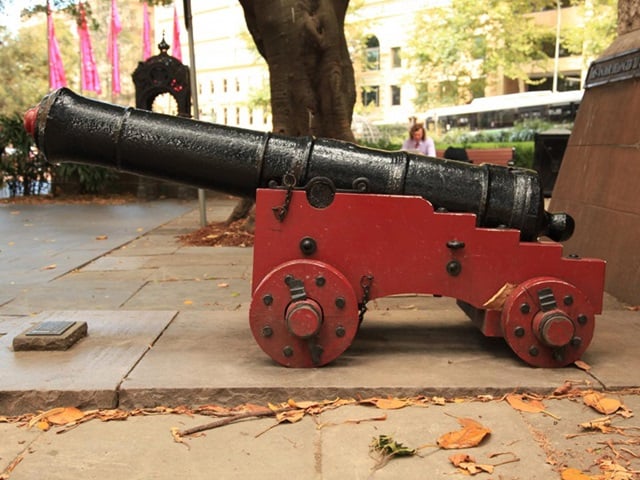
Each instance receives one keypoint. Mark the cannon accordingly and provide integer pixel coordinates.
(338, 225)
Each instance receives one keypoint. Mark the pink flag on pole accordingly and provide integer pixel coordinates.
(113, 54)
(90, 80)
(57, 77)
(176, 48)
(146, 32)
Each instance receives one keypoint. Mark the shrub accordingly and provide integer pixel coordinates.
(22, 167)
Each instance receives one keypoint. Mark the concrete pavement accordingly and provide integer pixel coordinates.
(168, 326)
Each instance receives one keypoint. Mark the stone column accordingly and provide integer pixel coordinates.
(599, 181)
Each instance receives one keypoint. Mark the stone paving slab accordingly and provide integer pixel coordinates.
(582, 448)
(112, 263)
(192, 294)
(31, 242)
(395, 353)
(613, 353)
(143, 448)
(87, 375)
(15, 442)
(74, 292)
(333, 445)
(415, 427)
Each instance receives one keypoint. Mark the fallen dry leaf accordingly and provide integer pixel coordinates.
(566, 388)
(468, 464)
(633, 308)
(525, 403)
(390, 403)
(497, 301)
(602, 404)
(223, 285)
(582, 365)
(471, 435)
(102, 237)
(49, 267)
(291, 416)
(575, 474)
(66, 415)
(44, 415)
(178, 438)
(43, 425)
(615, 471)
(602, 424)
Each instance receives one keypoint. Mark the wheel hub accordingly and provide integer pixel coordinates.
(304, 313)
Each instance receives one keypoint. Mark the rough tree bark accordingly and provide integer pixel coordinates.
(311, 75)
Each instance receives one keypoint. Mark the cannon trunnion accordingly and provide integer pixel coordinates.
(338, 225)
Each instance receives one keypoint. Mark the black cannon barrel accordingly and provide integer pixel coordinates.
(71, 128)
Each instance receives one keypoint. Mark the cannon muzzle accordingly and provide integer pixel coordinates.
(71, 128)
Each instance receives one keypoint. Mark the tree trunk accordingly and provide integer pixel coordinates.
(311, 74)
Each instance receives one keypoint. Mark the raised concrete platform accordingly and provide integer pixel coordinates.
(89, 374)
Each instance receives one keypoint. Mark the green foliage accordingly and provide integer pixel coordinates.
(24, 65)
(89, 179)
(456, 49)
(598, 30)
(22, 168)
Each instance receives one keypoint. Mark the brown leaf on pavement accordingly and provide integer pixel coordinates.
(525, 403)
(602, 424)
(575, 474)
(471, 435)
(389, 403)
(66, 415)
(467, 464)
(567, 390)
(582, 365)
(601, 403)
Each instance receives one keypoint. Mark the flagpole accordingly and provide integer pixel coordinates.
(48, 44)
(194, 98)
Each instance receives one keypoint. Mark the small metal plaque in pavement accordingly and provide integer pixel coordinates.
(50, 328)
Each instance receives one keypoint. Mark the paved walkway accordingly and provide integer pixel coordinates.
(168, 326)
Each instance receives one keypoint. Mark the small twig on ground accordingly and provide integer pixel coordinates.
(233, 418)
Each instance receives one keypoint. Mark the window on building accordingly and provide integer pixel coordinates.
(371, 96)
(373, 53)
(225, 115)
(212, 86)
(396, 59)
(237, 85)
(251, 117)
(237, 115)
(224, 85)
(395, 95)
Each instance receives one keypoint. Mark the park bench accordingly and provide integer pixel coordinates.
(504, 156)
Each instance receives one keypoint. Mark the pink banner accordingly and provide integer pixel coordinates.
(176, 47)
(90, 80)
(146, 32)
(113, 54)
(57, 78)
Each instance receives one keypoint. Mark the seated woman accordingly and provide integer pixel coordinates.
(418, 142)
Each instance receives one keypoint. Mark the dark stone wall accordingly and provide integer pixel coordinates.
(599, 182)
